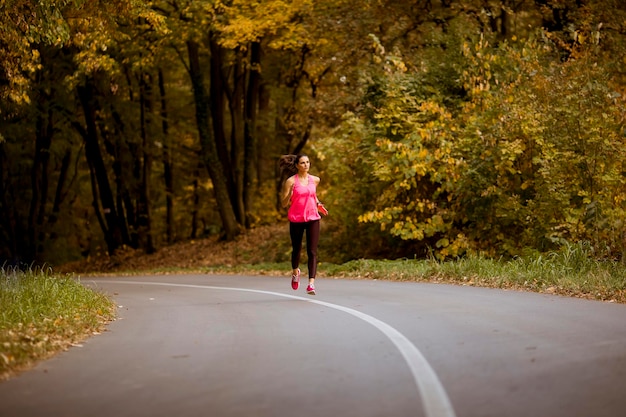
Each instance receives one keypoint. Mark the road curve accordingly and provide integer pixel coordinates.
(195, 345)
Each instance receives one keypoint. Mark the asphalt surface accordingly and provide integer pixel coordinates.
(241, 346)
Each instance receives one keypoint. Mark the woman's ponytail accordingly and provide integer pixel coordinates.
(287, 165)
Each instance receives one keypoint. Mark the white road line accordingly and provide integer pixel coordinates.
(434, 398)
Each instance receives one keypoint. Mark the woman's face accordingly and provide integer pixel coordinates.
(304, 164)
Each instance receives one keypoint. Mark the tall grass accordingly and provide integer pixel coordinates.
(41, 314)
(572, 271)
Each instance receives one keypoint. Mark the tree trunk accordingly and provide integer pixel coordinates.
(59, 194)
(119, 153)
(144, 224)
(8, 213)
(101, 188)
(168, 176)
(250, 133)
(194, 207)
(209, 146)
(218, 91)
(237, 159)
(39, 179)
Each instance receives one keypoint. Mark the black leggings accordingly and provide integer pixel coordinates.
(296, 231)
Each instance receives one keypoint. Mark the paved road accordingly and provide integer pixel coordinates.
(227, 346)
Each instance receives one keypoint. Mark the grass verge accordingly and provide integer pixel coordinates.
(42, 314)
(570, 272)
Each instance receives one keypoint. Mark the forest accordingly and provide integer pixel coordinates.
(439, 128)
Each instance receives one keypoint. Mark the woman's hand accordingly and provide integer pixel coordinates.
(322, 209)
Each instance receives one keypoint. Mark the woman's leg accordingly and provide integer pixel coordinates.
(312, 239)
(296, 231)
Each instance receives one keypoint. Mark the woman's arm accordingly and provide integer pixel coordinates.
(285, 196)
(320, 207)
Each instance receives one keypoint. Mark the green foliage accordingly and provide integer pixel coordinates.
(530, 157)
(24, 25)
(544, 148)
(347, 189)
(41, 314)
(404, 145)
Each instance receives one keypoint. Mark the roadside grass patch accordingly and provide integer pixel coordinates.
(573, 271)
(42, 314)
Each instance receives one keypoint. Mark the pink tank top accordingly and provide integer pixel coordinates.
(303, 206)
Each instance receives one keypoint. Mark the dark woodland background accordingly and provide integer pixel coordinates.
(439, 128)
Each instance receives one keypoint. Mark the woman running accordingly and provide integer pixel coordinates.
(299, 194)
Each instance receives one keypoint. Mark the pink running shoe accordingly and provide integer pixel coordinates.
(295, 280)
(310, 289)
